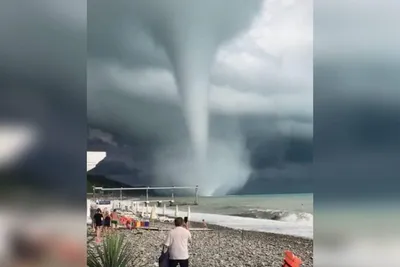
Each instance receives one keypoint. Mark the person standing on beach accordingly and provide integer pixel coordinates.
(107, 222)
(186, 223)
(204, 223)
(114, 219)
(177, 242)
(93, 209)
(98, 220)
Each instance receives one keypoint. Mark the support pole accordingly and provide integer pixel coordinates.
(196, 200)
(147, 194)
(120, 194)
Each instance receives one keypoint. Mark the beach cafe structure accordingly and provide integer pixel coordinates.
(93, 158)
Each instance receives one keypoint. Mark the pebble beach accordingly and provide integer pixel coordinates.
(220, 246)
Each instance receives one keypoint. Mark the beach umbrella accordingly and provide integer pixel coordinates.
(164, 209)
(142, 211)
(176, 211)
(148, 209)
(188, 213)
(153, 215)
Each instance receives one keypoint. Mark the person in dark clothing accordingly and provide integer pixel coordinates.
(92, 213)
(186, 222)
(98, 218)
(107, 221)
(98, 221)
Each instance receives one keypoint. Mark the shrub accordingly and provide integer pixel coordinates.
(113, 251)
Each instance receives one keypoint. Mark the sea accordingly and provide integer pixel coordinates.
(290, 214)
(282, 207)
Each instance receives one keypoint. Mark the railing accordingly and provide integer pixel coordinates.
(172, 188)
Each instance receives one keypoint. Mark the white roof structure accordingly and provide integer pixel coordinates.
(93, 158)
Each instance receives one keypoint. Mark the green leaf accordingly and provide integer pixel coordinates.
(113, 251)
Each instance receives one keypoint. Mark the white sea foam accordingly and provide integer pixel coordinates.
(280, 215)
(293, 228)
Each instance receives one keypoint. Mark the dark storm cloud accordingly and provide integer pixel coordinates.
(357, 101)
(43, 85)
(114, 35)
(357, 134)
(132, 93)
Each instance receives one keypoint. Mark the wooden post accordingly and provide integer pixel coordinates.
(196, 199)
(219, 240)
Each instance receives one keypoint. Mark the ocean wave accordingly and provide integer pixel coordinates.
(277, 215)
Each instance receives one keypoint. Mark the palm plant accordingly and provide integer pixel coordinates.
(114, 251)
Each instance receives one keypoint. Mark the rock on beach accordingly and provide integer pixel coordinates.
(221, 247)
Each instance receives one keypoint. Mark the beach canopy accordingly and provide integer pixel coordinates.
(153, 215)
(147, 209)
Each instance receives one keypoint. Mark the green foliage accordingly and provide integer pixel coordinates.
(113, 251)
